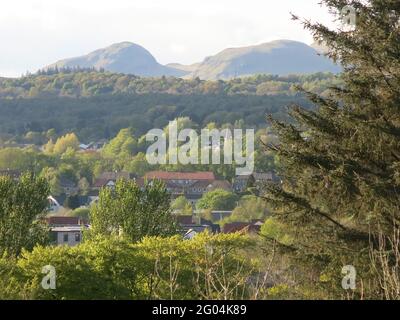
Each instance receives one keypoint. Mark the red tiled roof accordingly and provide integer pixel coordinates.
(240, 226)
(60, 220)
(101, 182)
(163, 175)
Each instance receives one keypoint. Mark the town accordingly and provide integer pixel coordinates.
(190, 186)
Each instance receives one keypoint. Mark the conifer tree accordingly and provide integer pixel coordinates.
(340, 164)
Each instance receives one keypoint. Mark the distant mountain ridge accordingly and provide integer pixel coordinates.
(279, 57)
(124, 57)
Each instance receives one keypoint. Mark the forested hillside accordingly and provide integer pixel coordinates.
(98, 104)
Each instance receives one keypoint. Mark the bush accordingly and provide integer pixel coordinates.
(207, 267)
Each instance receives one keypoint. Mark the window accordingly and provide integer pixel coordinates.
(77, 237)
(65, 237)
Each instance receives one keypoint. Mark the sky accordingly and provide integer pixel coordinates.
(36, 33)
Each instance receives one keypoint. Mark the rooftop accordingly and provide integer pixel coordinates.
(67, 229)
(164, 175)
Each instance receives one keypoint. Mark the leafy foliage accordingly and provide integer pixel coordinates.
(182, 205)
(218, 199)
(341, 163)
(249, 208)
(133, 211)
(208, 267)
(22, 205)
(98, 105)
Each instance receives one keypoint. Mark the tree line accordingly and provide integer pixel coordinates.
(97, 105)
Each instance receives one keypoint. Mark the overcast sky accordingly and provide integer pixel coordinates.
(35, 33)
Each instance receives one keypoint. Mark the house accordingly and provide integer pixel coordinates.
(84, 200)
(216, 215)
(115, 175)
(54, 205)
(203, 186)
(97, 145)
(67, 235)
(242, 183)
(93, 146)
(193, 198)
(93, 196)
(102, 183)
(83, 147)
(61, 221)
(264, 177)
(193, 224)
(220, 184)
(66, 230)
(109, 179)
(199, 187)
(194, 192)
(180, 178)
(192, 185)
(243, 227)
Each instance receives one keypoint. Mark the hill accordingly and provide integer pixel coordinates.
(124, 57)
(98, 104)
(281, 57)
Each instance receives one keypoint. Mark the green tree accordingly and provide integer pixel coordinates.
(23, 204)
(84, 186)
(133, 211)
(138, 164)
(341, 183)
(207, 267)
(123, 145)
(101, 269)
(34, 137)
(218, 199)
(49, 147)
(68, 141)
(15, 158)
(80, 212)
(249, 208)
(273, 229)
(51, 134)
(182, 205)
(52, 178)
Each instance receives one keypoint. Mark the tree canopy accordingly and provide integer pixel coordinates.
(23, 205)
(340, 163)
(132, 211)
